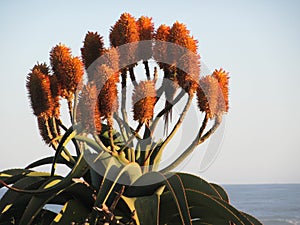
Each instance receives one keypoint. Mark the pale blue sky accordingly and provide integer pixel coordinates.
(256, 41)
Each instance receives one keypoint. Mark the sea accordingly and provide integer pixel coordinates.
(272, 204)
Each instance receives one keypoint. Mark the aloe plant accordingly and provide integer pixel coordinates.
(114, 169)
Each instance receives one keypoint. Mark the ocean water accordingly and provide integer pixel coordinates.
(272, 204)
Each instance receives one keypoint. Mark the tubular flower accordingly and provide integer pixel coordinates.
(123, 32)
(88, 112)
(93, 48)
(208, 94)
(145, 28)
(223, 79)
(144, 99)
(38, 86)
(68, 69)
(160, 47)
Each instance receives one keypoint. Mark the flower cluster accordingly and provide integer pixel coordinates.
(172, 48)
(45, 88)
(212, 94)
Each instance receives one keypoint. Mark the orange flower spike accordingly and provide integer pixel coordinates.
(223, 78)
(93, 48)
(207, 94)
(124, 31)
(38, 86)
(76, 74)
(160, 48)
(186, 58)
(88, 113)
(145, 28)
(162, 33)
(189, 72)
(60, 55)
(68, 69)
(192, 44)
(108, 99)
(144, 99)
(180, 35)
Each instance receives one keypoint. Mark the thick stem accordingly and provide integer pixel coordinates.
(70, 109)
(132, 76)
(147, 69)
(197, 141)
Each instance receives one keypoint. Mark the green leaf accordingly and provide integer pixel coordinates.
(45, 217)
(253, 220)
(13, 175)
(145, 185)
(173, 183)
(77, 190)
(72, 211)
(219, 207)
(49, 160)
(113, 176)
(206, 215)
(150, 215)
(196, 183)
(69, 135)
(13, 203)
(179, 196)
(78, 171)
(156, 155)
(221, 192)
(36, 203)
